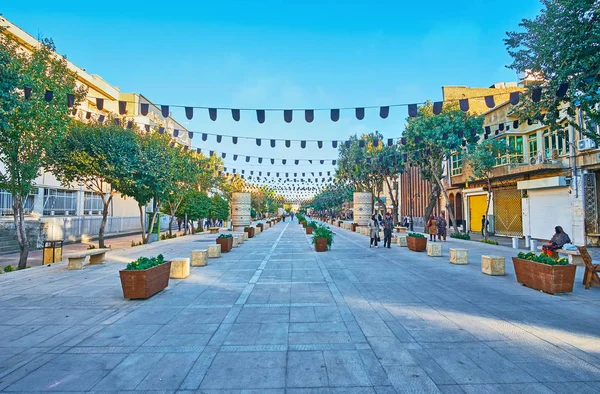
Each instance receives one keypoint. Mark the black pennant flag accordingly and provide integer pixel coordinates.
(347, 143)
(273, 143)
(49, 95)
(260, 115)
(287, 143)
(296, 162)
(283, 161)
(198, 151)
(334, 144)
(212, 114)
(384, 112)
(514, 98)
(234, 140)
(333, 162)
(235, 114)
(309, 115)
(247, 159)
(144, 107)
(164, 109)
(375, 143)
(390, 141)
(361, 143)
(27, 92)
(223, 155)
(320, 144)
(412, 110)
(235, 157)
(219, 138)
(204, 136)
(190, 134)
(189, 113)
(175, 133)
(360, 113)
(272, 161)
(562, 90)
(437, 107)
(100, 103)
(303, 144)
(335, 115)
(464, 105)
(161, 130)
(489, 101)
(536, 95)
(287, 115)
(122, 107)
(260, 160)
(70, 100)
(258, 142)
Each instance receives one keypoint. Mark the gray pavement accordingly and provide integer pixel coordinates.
(273, 316)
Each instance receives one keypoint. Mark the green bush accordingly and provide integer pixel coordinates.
(542, 258)
(90, 247)
(199, 230)
(133, 244)
(460, 236)
(489, 241)
(312, 224)
(322, 231)
(416, 235)
(225, 236)
(9, 268)
(143, 263)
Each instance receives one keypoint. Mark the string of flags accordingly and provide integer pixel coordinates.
(309, 114)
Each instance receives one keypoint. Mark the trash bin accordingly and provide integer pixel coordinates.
(533, 244)
(52, 251)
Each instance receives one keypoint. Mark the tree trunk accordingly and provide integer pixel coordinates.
(19, 219)
(434, 195)
(448, 207)
(171, 225)
(142, 222)
(487, 208)
(394, 201)
(103, 222)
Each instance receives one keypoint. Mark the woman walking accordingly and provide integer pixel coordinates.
(374, 228)
(432, 226)
(441, 227)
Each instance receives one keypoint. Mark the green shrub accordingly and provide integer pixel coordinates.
(416, 235)
(90, 247)
(199, 230)
(312, 224)
(322, 231)
(489, 241)
(542, 258)
(225, 236)
(133, 243)
(143, 263)
(9, 268)
(460, 236)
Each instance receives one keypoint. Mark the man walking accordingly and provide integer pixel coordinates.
(388, 226)
(484, 224)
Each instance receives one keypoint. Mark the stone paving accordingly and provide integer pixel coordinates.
(273, 316)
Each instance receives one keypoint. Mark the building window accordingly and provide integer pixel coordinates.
(92, 202)
(556, 143)
(6, 203)
(533, 145)
(516, 156)
(60, 202)
(456, 164)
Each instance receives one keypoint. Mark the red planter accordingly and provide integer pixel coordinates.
(250, 232)
(547, 278)
(309, 230)
(416, 244)
(353, 227)
(321, 244)
(226, 244)
(145, 283)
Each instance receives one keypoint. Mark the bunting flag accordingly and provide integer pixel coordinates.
(100, 103)
(287, 115)
(258, 141)
(101, 119)
(412, 110)
(122, 107)
(189, 113)
(164, 110)
(27, 92)
(260, 115)
(288, 143)
(384, 112)
(309, 115)
(464, 105)
(335, 115)
(235, 114)
(536, 95)
(562, 90)
(360, 113)
(129, 124)
(204, 136)
(49, 95)
(437, 107)
(70, 100)
(144, 108)
(190, 134)
(334, 144)
(303, 144)
(273, 143)
(514, 98)
(161, 130)
(320, 144)
(175, 133)
(489, 101)
(212, 113)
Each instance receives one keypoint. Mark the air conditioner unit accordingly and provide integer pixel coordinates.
(586, 144)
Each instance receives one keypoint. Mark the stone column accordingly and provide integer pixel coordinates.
(362, 208)
(80, 203)
(240, 208)
(38, 203)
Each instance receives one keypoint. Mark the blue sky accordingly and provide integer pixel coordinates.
(283, 54)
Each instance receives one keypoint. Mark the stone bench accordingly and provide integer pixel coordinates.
(573, 255)
(492, 265)
(434, 249)
(459, 256)
(214, 251)
(400, 229)
(75, 260)
(213, 230)
(180, 268)
(199, 257)
(245, 236)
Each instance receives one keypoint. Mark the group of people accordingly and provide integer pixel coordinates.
(376, 224)
(436, 227)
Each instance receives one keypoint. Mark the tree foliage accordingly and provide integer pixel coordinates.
(561, 45)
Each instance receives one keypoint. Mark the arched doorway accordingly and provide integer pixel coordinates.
(451, 200)
(458, 210)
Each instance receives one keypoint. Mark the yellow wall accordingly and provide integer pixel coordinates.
(477, 205)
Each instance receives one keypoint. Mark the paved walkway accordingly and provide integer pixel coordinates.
(272, 316)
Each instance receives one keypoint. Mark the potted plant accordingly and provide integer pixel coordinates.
(354, 226)
(250, 231)
(262, 227)
(322, 238)
(416, 242)
(542, 272)
(226, 242)
(310, 227)
(145, 277)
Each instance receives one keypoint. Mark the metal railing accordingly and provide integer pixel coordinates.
(73, 228)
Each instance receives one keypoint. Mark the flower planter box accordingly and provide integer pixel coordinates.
(321, 244)
(416, 244)
(145, 283)
(250, 232)
(226, 244)
(353, 227)
(547, 278)
(309, 230)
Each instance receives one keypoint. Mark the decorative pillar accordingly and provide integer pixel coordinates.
(362, 208)
(38, 203)
(240, 211)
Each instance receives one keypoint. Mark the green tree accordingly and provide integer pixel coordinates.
(28, 125)
(195, 206)
(219, 207)
(96, 156)
(560, 46)
(432, 139)
(482, 160)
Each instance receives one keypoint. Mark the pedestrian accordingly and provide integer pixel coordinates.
(179, 221)
(374, 231)
(432, 226)
(559, 239)
(484, 224)
(441, 227)
(388, 226)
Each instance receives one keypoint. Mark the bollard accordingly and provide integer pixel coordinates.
(533, 245)
(527, 240)
(515, 243)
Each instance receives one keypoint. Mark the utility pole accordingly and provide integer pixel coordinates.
(410, 201)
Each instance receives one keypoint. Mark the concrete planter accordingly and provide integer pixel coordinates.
(226, 244)
(321, 244)
(416, 244)
(547, 278)
(250, 232)
(145, 283)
